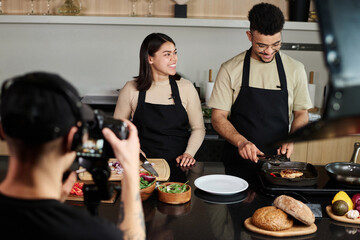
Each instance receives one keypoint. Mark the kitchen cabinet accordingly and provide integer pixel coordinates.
(321, 152)
(300, 152)
(3, 149)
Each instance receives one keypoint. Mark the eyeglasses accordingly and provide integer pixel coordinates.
(264, 47)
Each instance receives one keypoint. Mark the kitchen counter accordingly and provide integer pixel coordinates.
(206, 218)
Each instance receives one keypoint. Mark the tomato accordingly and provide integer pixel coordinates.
(77, 189)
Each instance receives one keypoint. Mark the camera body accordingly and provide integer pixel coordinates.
(95, 146)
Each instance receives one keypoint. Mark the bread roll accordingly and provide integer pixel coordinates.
(295, 208)
(272, 219)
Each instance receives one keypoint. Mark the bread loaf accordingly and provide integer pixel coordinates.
(295, 208)
(272, 219)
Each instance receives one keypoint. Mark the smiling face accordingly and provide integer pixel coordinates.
(264, 47)
(163, 63)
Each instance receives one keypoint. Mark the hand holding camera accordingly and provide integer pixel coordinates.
(127, 152)
(96, 146)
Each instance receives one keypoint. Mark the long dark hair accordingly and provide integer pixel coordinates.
(149, 47)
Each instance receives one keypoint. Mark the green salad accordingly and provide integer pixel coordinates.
(146, 180)
(173, 188)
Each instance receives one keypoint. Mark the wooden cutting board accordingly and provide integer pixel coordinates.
(341, 218)
(159, 164)
(81, 198)
(297, 230)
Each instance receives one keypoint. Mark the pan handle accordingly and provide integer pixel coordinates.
(355, 153)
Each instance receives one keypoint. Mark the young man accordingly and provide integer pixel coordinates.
(257, 92)
(41, 115)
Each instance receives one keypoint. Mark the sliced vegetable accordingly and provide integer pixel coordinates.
(116, 166)
(146, 180)
(77, 189)
(149, 178)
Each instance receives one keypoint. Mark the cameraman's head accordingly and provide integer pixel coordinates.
(40, 115)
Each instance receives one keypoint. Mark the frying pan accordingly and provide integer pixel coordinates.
(271, 173)
(348, 173)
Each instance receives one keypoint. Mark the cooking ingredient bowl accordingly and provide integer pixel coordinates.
(174, 198)
(145, 193)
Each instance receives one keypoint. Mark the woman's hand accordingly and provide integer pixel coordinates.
(185, 160)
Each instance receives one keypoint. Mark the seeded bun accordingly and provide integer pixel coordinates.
(295, 208)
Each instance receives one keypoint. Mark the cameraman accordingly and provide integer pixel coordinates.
(39, 124)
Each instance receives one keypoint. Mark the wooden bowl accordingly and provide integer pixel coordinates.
(145, 193)
(174, 198)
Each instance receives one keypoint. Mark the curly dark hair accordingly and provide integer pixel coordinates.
(266, 18)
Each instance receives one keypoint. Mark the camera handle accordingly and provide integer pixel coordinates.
(102, 189)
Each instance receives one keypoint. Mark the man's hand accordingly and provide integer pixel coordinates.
(185, 160)
(286, 148)
(127, 151)
(248, 150)
(67, 186)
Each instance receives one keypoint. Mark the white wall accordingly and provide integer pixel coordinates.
(100, 58)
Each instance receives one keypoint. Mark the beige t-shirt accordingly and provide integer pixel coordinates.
(159, 93)
(262, 75)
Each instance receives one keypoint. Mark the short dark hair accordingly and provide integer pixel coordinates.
(149, 47)
(39, 107)
(266, 18)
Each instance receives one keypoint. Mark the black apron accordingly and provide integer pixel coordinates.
(260, 115)
(163, 129)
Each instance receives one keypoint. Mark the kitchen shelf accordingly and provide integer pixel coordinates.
(146, 21)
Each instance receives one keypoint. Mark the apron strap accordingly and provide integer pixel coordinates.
(141, 98)
(174, 91)
(281, 72)
(246, 69)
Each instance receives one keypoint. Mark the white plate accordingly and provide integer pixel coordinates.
(221, 184)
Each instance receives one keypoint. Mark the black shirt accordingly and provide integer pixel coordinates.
(50, 219)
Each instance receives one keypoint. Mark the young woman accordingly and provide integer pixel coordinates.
(165, 108)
